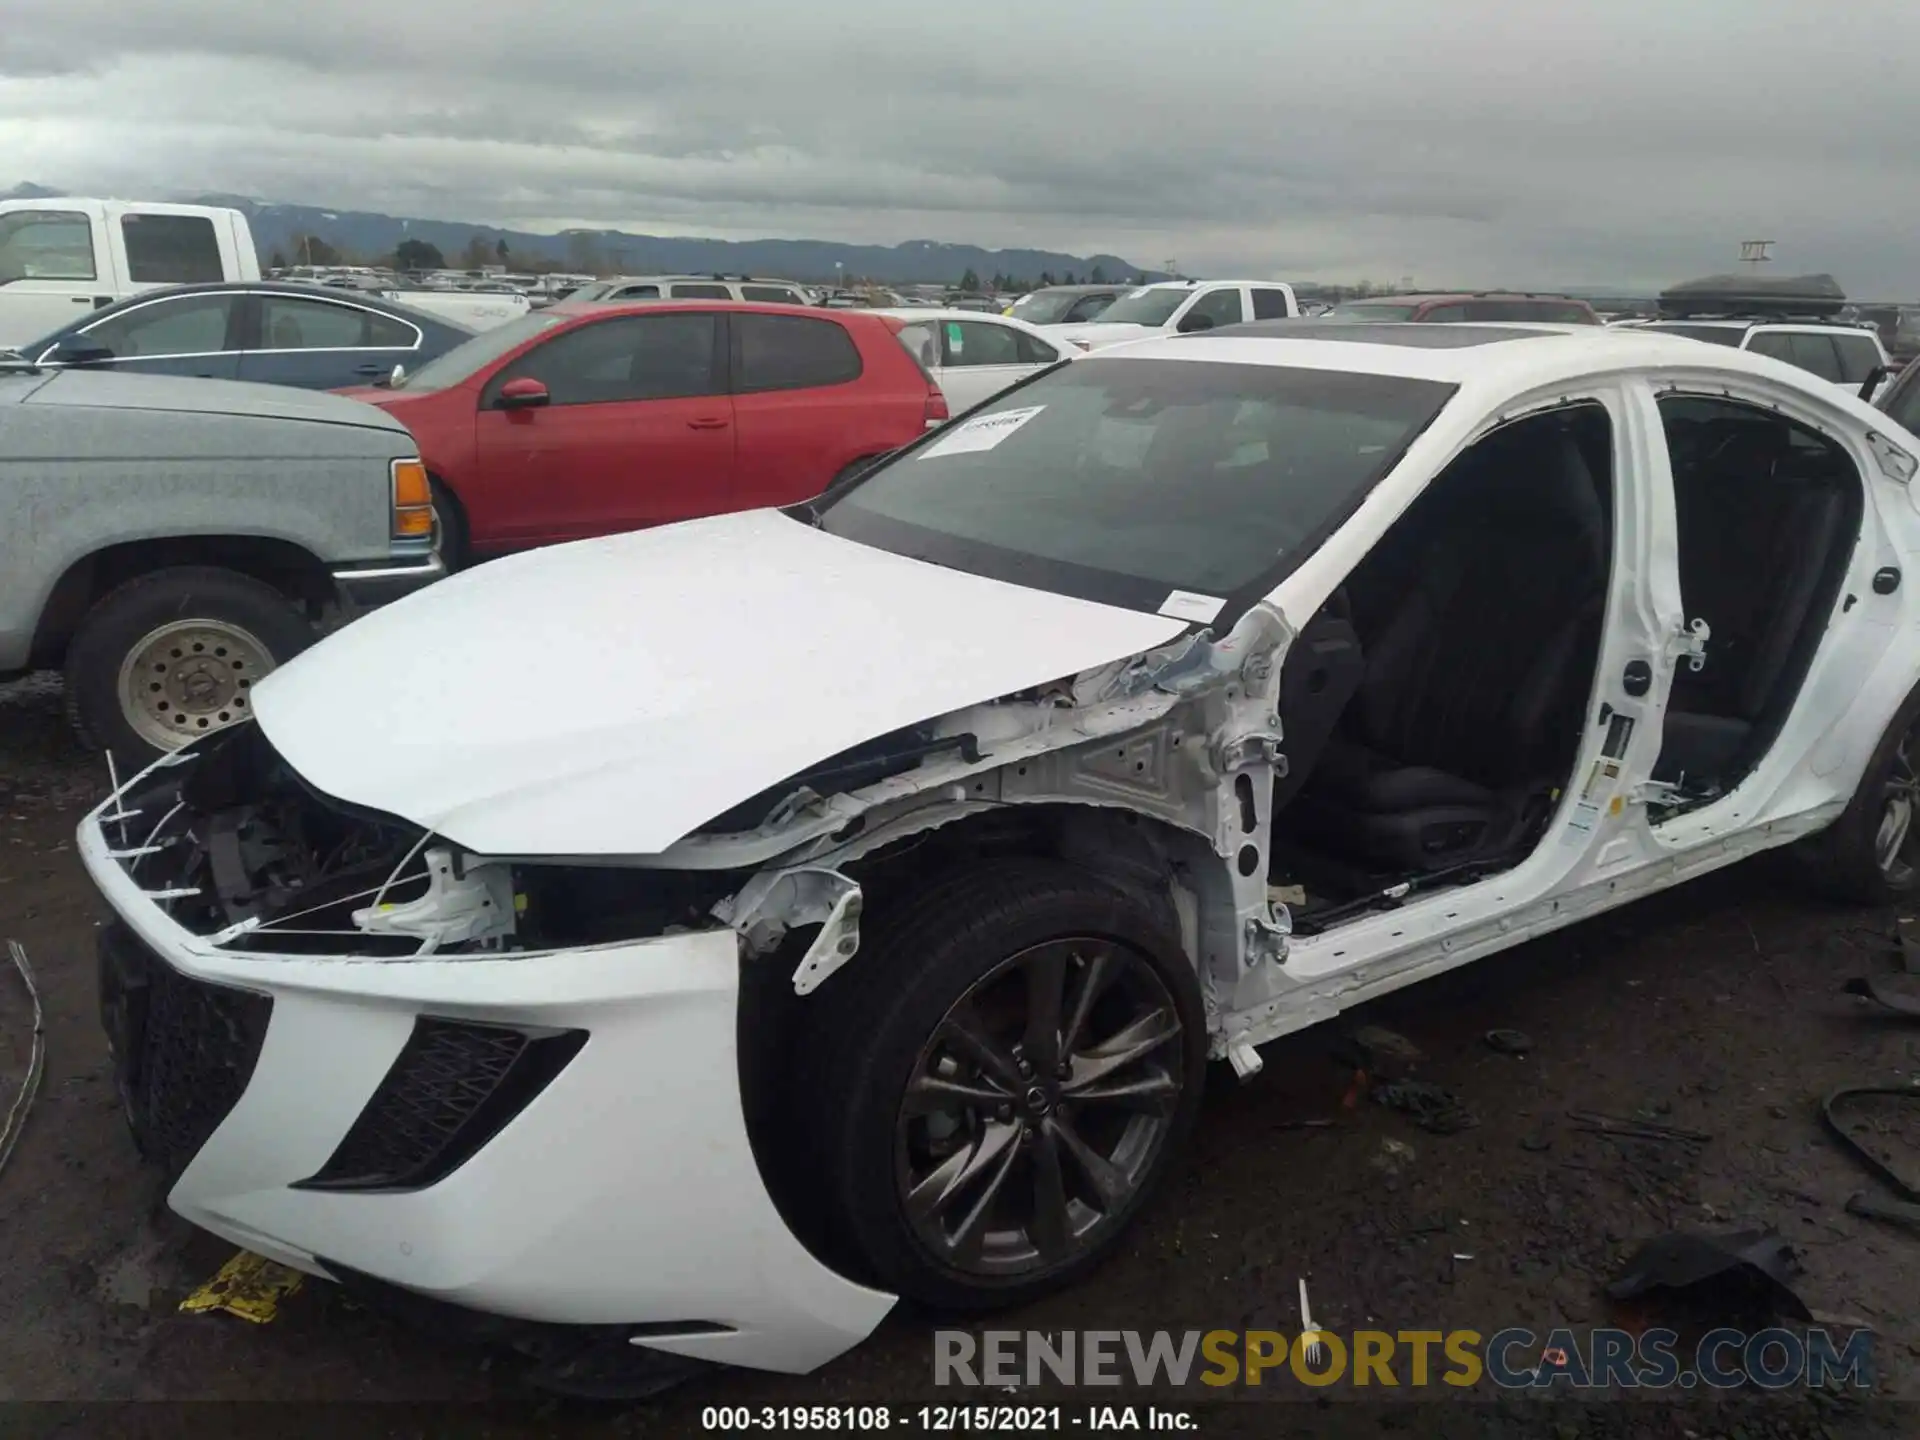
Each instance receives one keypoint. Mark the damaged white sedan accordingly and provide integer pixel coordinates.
(682, 944)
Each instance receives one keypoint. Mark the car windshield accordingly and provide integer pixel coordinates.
(1044, 307)
(1714, 334)
(471, 356)
(1144, 307)
(1369, 310)
(1120, 480)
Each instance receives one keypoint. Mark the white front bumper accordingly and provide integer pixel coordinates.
(626, 1193)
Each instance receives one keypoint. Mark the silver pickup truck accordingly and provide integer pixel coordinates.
(169, 541)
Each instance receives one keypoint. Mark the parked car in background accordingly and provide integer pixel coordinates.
(1180, 307)
(588, 418)
(1899, 328)
(167, 542)
(1847, 357)
(926, 846)
(1795, 318)
(973, 357)
(1065, 304)
(475, 309)
(277, 333)
(1900, 397)
(1483, 305)
(626, 289)
(65, 257)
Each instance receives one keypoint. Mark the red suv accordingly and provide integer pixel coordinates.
(583, 420)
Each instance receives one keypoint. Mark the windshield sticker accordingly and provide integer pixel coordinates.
(981, 434)
(1185, 605)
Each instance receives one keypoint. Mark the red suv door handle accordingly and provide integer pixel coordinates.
(709, 422)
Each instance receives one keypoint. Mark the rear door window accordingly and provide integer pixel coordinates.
(974, 342)
(1814, 353)
(171, 249)
(701, 292)
(1269, 304)
(1445, 314)
(791, 352)
(770, 295)
(290, 322)
(1859, 357)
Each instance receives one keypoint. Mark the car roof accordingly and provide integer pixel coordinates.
(1823, 327)
(709, 279)
(1498, 357)
(1455, 297)
(1081, 289)
(367, 299)
(914, 313)
(601, 309)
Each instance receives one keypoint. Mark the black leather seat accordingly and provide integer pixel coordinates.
(1755, 541)
(1479, 664)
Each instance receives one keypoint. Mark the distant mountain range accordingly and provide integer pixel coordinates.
(367, 235)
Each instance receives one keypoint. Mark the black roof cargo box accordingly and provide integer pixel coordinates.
(1744, 295)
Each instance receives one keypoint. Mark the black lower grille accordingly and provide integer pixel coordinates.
(183, 1050)
(453, 1087)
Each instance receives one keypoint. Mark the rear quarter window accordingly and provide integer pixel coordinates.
(791, 352)
(1859, 357)
(171, 249)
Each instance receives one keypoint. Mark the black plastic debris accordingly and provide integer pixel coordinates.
(1906, 1210)
(1869, 987)
(1746, 1275)
(1508, 1042)
(1437, 1111)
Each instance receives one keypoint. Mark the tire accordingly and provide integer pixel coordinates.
(449, 527)
(1843, 862)
(151, 627)
(981, 938)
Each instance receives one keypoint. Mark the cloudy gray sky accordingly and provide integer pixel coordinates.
(1485, 141)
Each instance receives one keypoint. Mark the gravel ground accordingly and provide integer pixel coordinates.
(1716, 1008)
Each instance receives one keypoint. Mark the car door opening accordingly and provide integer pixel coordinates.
(1766, 509)
(1433, 708)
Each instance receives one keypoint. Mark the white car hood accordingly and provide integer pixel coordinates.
(1095, 336)
(610, 696)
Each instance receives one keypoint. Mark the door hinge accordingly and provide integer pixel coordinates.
(1689, 643)
(1655, 792)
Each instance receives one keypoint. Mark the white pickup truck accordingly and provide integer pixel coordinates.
(61, 255)
(475, 309)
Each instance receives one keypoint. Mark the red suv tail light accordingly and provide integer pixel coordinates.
(936, 412)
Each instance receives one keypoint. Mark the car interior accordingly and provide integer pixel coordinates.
(1432, 722)
(1767, 511)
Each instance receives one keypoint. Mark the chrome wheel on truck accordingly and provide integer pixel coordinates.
(188, 677)
(173, 655)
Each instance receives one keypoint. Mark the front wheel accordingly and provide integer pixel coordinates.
(1003, 1076)
(174, 655)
